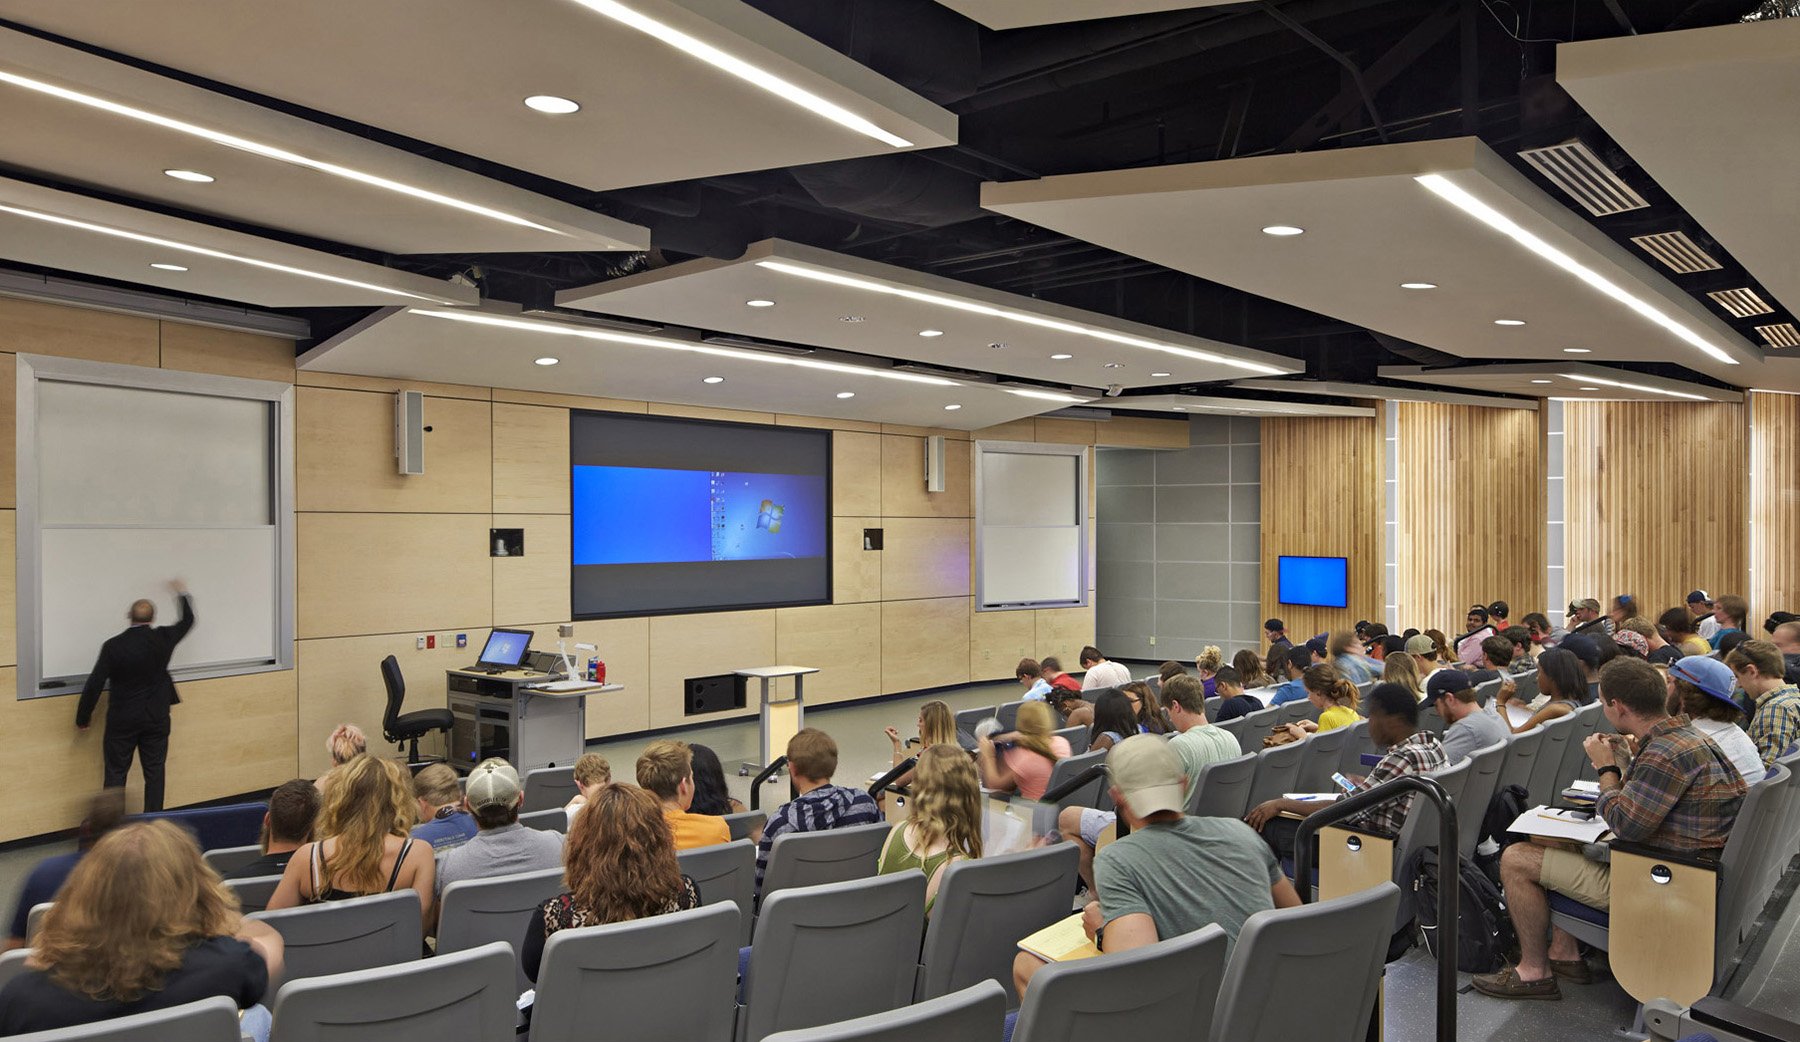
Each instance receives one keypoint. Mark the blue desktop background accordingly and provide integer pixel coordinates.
(642, 515)
(1318, 581)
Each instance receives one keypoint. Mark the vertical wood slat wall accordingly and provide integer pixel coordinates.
(1323, 495)
(1774, 505)
(1657, 500)
(1471, 512)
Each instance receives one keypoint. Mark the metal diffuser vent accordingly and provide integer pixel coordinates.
(1679, 253)
(1783, 335)
(1741, 303)
(1574, 168)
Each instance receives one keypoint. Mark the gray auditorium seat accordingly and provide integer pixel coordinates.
(1276, 947)
(973, 1014)
(464, 995)
(744, 823)
(548, 787)
(834, 856)
(253, 894)
(1093, 794)
(1356, 744)
(1548, 765)
(358, 933)
(1256, 725)
(1077, 737)
(474, 912)
(666, 977)
(556, 819)
(34, 920)
(230, 859)
(1478, 791)
(1323, 755)
(1223, 788)
(1574, 758)
(984, 907)
(1431, 720)
(1165, 990)
(966, 719)
(1521, 755)
(828, 953)
(1008, 714)
(1239, 728)
(12, 964)
(1211, 708)
(1525, 685)
(725, 873)
(1277, 771)
(1298, 710)
(209, 1020)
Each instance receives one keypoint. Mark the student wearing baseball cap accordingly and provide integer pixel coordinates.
(503, 846)
(1701, 687)
(1469, 725)
(1172, 874)
(1700, 606)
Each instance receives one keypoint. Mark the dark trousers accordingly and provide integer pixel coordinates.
(150, 741)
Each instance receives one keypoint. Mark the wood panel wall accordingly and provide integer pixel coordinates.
(1470, 512)
(1774, 504)
(1322, 495)
(383, 559)
(1657, 498)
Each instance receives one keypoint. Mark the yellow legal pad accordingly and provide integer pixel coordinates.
(1061, 941)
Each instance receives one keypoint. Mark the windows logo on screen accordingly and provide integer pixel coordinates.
(769, 515)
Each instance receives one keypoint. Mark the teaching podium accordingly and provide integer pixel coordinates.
(781, 718)
(507, 714)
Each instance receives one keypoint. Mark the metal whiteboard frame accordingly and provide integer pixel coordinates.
(1032, 448)
(28, 576)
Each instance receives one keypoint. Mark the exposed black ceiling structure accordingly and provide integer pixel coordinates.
(1191, 85)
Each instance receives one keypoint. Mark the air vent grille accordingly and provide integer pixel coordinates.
(1574, 168)
(1741, 303)
(1783, 335)
(1679, 253)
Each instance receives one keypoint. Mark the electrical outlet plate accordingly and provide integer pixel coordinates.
(419, 643)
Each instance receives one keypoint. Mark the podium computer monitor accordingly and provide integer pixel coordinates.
(505, 649)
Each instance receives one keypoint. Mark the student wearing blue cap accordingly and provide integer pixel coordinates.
(1701, 687)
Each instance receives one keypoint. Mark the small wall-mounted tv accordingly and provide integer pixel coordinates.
(1319, 582)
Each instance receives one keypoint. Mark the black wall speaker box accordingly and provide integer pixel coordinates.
(715, 694)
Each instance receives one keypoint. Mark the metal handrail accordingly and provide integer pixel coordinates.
(756, 783)
(1449, 882)
(881, 784)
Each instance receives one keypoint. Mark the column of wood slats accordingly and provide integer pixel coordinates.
(1775, 504)
(1471, 512)
(1322, 495)
(1657, 500)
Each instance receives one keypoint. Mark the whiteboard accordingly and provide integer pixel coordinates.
(98, 572)
(1030, 517)
(1024, 565)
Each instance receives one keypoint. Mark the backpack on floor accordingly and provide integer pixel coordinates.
(1484, 933)
(1504, 808)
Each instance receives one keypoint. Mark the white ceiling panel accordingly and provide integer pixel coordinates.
(75, 117)
(828, 299)
(1163, 404)
(498, 347)
(456, 73)
(1382, 392)
(1714, 116)
(1511, 272)
(72, 232)
(1579, 382)
(1014, 14)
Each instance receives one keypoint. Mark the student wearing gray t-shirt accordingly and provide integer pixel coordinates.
(502, 847)
(1172, 874)
(1472, 726)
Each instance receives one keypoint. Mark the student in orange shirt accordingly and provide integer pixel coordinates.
(666, 770)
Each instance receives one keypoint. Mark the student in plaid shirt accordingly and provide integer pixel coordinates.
(1394, 723)
(1775, 720)
(1677, 793)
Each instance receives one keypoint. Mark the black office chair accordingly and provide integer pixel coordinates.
(398, 727)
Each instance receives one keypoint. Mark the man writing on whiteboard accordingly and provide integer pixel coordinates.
(135, 665)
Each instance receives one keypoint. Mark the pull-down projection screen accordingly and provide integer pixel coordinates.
(1031, 525)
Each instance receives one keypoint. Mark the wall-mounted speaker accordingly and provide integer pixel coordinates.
(409, 431)
(934, 463)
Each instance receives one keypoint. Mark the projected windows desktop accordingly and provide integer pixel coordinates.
(682, 515)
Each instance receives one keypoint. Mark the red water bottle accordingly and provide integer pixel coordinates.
(599, 672)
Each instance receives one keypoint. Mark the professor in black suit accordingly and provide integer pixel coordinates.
(135, 664)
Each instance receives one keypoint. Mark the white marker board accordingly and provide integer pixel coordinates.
(1030, 516)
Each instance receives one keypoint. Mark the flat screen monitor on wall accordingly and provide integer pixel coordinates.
(1321, 582)
(673, 515)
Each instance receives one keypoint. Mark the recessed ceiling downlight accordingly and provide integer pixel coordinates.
(546, 360)
(1283, 230)
(194, 176)
(712, 380)
(551, 105)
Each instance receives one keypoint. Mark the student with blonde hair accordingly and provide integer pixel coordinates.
(592, 773)
(937, 726)
(1207, 664)
(666, 770)
(1336, 698)
(366, 848)
(142, 924)
(1403, 669)
(1021, 760)
(345, 743)
(945, 821)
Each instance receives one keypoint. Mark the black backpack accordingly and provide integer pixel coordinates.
(1503, 809)
(1484, 932)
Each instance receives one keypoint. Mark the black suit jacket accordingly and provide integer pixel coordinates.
(135, 664)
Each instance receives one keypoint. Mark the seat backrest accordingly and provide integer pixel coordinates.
(966, 719)
(1277, 771)
(1521, 754)
(1356, 743)
(1431, 720)
(1211, 708)
(1574, 757)
(1337, 945)
(34, 919)
(556, 819)
(1297, 710)
(1548, 764)
(1790, 830)
(1223, 788)
(474, 912)
(12, 964)
(1485, 691)
(1421, 827)
(468, 994)
(1089, 795)
(1260, 721)
(548, 787)
(832, 856)
(743, 823)
(1008, 714)
(1077, 737)
(1743, 864)
(974, 1014)
(1525, 685)
(253, 894)
(828, 953)
(209, 1020)
(1478, 791)
(1166, 990)
(230, 859)
(668, 976)
(1239, 728)
(395, 682)
(358, 933)
(725, 873)
(984, 907)
(1320, 760)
